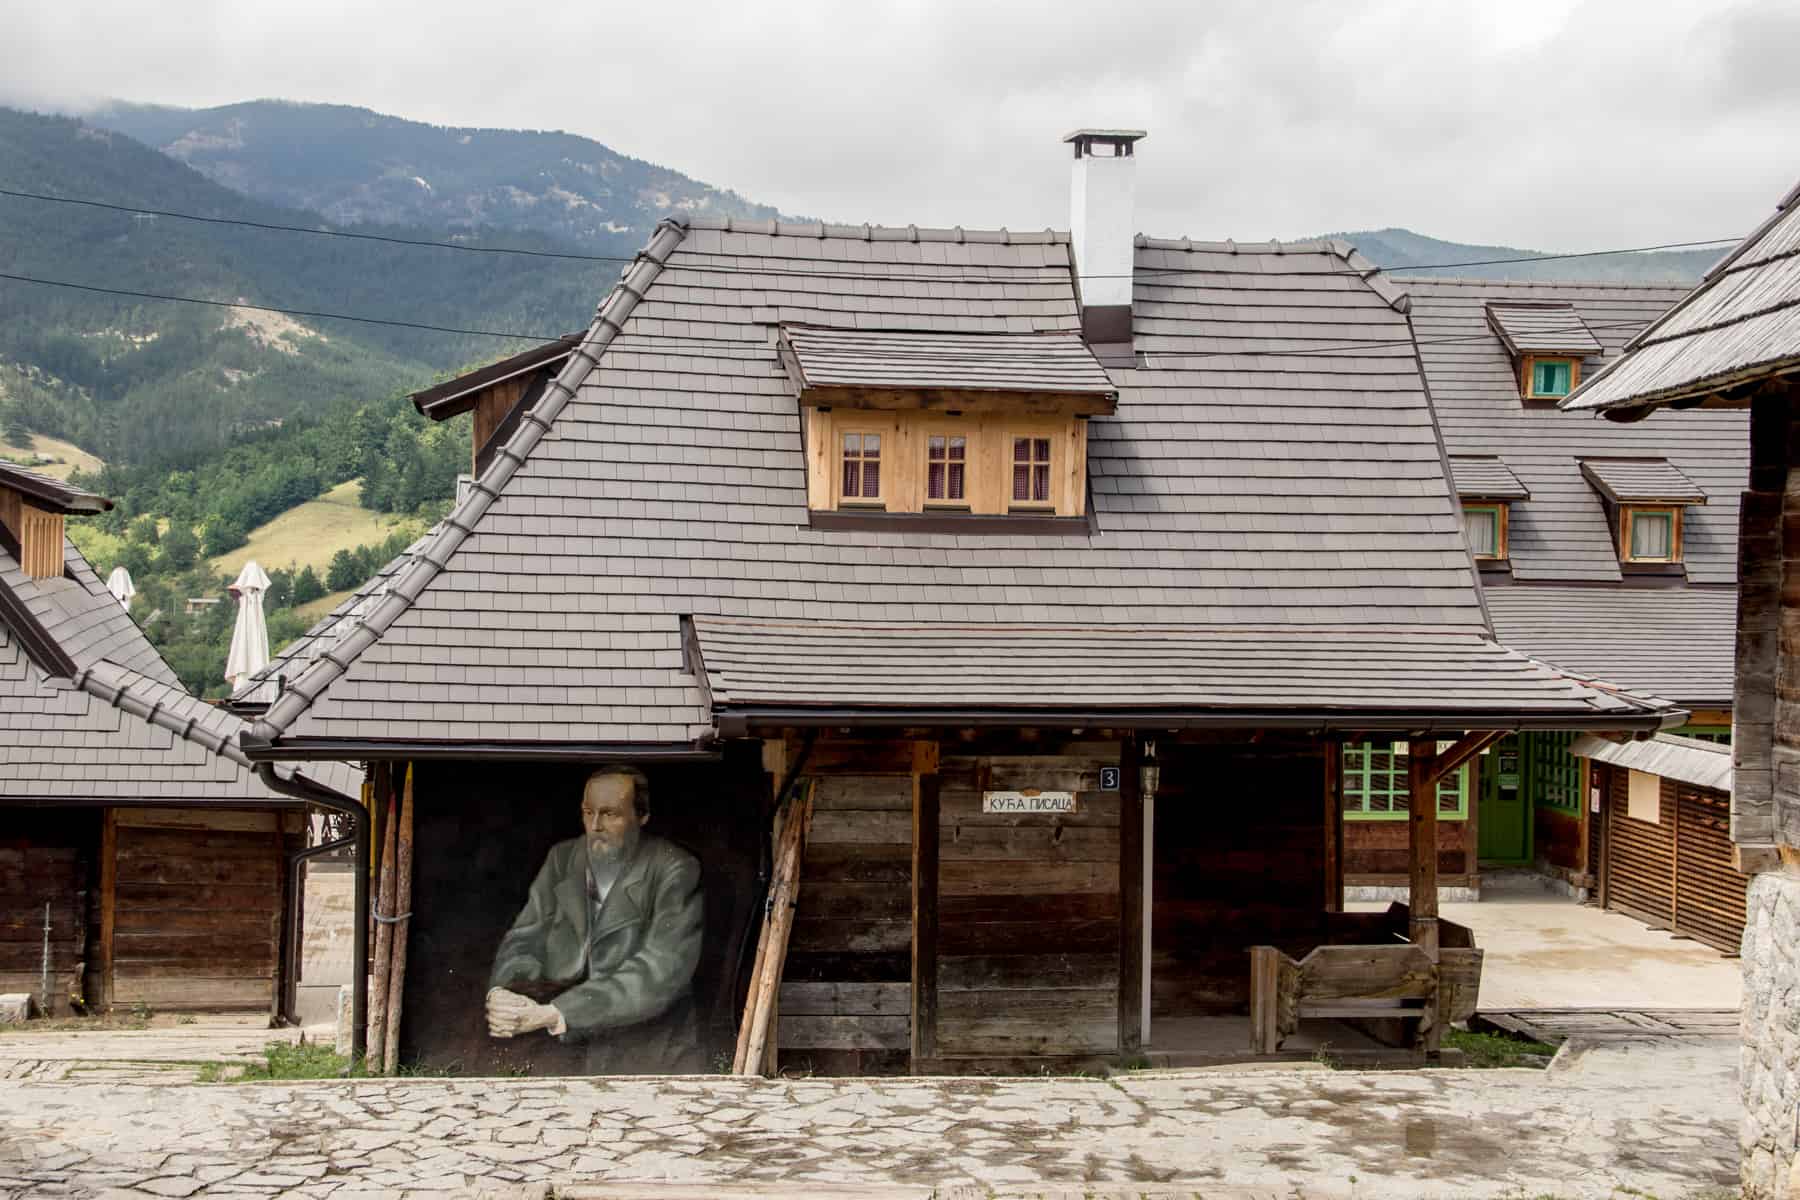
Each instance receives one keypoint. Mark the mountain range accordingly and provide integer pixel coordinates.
(139, 380)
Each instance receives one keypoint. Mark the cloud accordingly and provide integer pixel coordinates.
(1539, 122)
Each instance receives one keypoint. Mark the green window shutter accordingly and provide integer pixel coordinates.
(1374, 785)
(1552, 773)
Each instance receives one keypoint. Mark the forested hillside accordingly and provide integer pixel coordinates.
(354, 165)
(146, 381)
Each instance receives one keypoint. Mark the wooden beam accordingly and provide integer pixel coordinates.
(1334, 830)
(1132, 912)
(924, 918)
(109, 886)
(1422, 825)
(1462, 751)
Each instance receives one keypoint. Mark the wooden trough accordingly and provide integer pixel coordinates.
(1394, 988)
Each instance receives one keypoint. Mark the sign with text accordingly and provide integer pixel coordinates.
(1109, 779)
(1029, 801)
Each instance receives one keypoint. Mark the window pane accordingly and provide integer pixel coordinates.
(871, 445)
(871, 479)
(955, 489)
(956, 448)
(1651, 535)
(1550, 378)
(934, 481)
(1481, 526)
(1021, 481)
(852, 444)
(935, 445)
(1040, 484)
(1021, 450)
(852, 477)
(1040, 450)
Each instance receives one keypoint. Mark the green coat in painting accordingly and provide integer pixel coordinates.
(623, 985)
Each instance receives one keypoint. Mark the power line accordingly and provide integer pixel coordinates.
(614, 258)
(679, 346)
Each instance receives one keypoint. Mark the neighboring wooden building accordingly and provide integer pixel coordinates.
(142, 859)
(1608, 550)
(1043, 612)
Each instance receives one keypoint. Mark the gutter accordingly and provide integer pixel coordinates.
(738, 723)
(306, 791)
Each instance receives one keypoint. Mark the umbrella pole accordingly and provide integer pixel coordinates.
(402, 917)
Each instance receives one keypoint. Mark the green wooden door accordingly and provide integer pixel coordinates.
(1505, 818)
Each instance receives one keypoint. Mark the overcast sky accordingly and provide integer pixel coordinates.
(1524, 122)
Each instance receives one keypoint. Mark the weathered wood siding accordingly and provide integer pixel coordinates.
(1676, 874)
(47, 857)
(1028, 937)
(1239, 861)
(845, 995)
(196, 914)
(1377, 853)
(1640, 862)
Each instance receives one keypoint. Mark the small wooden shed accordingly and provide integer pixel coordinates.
(1663, 809)
(143, 861)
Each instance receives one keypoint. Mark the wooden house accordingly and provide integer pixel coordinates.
(1733, 344)
(1607, 549)
(1032, 583)
(143, 860)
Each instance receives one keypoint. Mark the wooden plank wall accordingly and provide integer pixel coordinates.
(846, 992)
(1640, 861)
(1378, 853)
(1029, 907)
(196, 912)
(1710, 894)
(47, 855)
(1240, 853)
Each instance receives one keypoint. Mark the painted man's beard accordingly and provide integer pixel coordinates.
(607, 851)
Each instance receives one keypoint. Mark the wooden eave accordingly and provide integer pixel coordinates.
(456, 396)
(1084, 403)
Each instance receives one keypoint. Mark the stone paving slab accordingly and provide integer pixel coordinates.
(1655, 1118)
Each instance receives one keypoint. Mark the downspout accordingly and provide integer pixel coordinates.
(302, 789)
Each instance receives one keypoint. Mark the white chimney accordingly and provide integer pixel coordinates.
(1102, 226)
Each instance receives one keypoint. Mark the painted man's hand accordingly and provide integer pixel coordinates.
(510, 1014)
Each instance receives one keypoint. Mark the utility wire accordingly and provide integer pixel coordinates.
(615, 258)
(678, 346)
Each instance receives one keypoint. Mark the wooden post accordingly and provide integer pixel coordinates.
(384, 937)
(1422, 824)
(760, 1006)
(1334, 830)
(1265, 978)
(109, 907)
(925, 834)
(403, 890)
(1423, 827)
(1132, 802)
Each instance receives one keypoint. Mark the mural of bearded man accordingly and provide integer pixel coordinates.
(604, 951)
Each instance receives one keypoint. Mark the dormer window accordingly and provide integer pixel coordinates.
(946, 469)
(945, 425)
(1485, 527)
(1649, 534)
(1548, 342)
(1645, 499)
(1553, 378)
(1487, 491)
(862, 468)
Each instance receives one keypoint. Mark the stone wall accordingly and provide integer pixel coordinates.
(1771, 1046)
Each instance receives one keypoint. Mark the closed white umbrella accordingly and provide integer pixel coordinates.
(250, 640)
(120, 585)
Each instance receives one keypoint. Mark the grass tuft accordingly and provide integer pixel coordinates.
(1488, 1050)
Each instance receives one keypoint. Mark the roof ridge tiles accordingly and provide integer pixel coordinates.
(1475, 281)
(411, 580)
(874, 233)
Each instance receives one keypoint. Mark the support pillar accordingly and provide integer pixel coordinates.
(1422, 823)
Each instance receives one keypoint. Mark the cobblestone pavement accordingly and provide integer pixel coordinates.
(1614, 1120)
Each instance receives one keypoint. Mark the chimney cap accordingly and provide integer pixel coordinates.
(1118, 137)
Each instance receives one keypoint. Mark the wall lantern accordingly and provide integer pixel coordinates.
(1149, 772)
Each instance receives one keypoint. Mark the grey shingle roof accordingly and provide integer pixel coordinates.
(121, 730)
(1256, 474)
(1485, 477)
(1054, 362)
(1703, 764)
(1674, 642)
(1360, 672)
(1641, 480)
(1742, 322)
(1562, 532)
(1541, 327)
